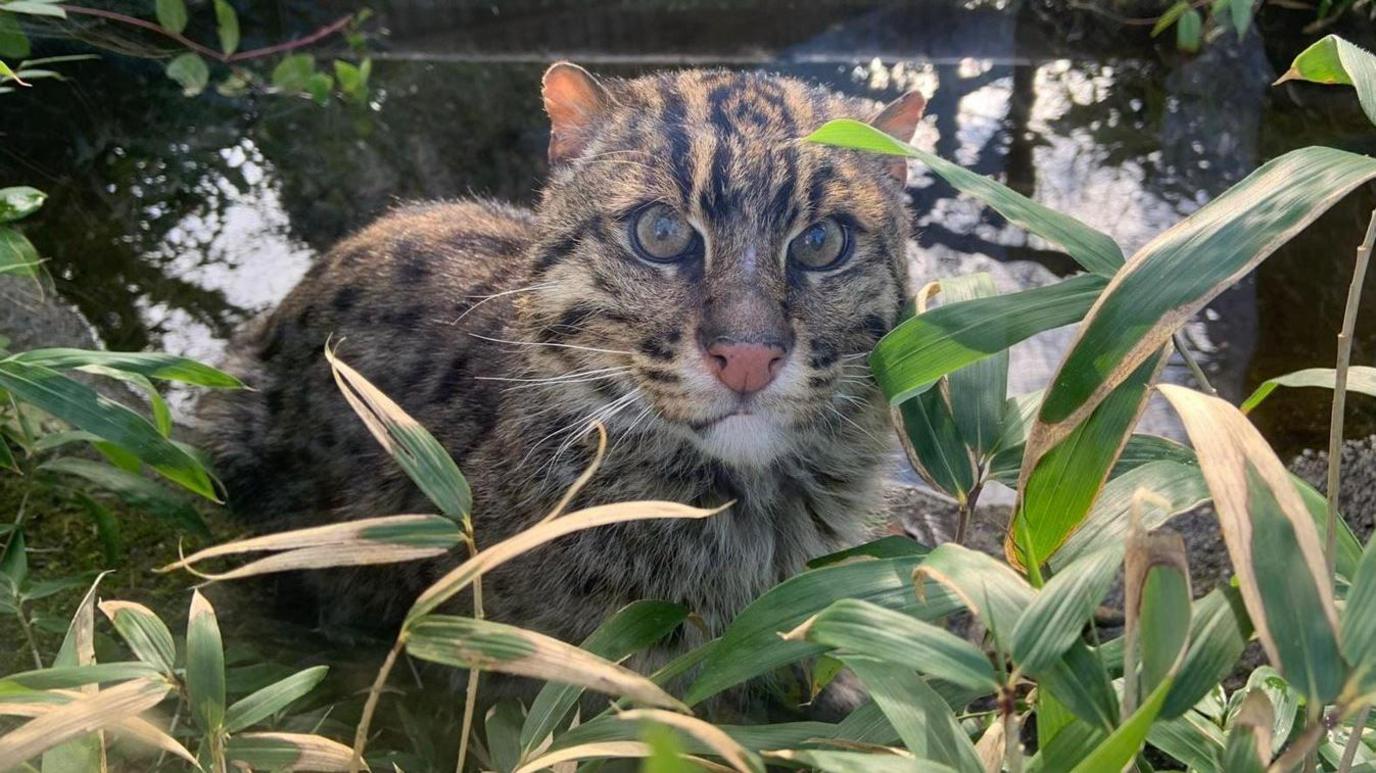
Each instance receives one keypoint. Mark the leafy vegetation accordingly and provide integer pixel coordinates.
(1040, 677)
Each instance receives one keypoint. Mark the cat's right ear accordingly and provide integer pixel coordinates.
(574, 100)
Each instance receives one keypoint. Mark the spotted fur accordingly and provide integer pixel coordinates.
(506, 331)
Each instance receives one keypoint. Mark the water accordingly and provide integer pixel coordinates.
(171, 220)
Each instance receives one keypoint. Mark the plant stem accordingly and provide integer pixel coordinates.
(1183, 346)
(1335, 428)
(28, 636)
(471, 699)
(1012, 742)
(370, 705)
(210, 53)
(1354, 740)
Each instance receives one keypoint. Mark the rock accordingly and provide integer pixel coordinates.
(32, 315)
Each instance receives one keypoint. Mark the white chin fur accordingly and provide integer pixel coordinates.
(743, 441)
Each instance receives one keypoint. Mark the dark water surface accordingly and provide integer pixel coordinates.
(171, 220)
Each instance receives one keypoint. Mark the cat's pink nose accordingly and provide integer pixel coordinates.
(744, 368)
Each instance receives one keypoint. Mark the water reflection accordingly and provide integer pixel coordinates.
(172, 220)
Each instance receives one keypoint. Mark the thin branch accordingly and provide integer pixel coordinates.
(1354, 740)
(470, 702)
(1335, 428)
(370, 705)
(1183, 346)
(210, 53)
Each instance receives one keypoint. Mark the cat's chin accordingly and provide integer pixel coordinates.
(743, 440)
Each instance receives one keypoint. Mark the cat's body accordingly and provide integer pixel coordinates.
(505, 332)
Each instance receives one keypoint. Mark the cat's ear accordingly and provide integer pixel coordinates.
(899, 120)
(574, 100)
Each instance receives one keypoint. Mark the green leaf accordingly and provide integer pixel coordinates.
(319, 86)
(1178, 272)
(17, 253)
(923, 720)
(135, 489)
(172, 15)
(892, 546)
(1189, 30)
(1247, 747)
(934, 445)
(1333, 60)
(503, 725)
(1090, 248)
(981, 386)
(13, 42)
(7, 461)
(145, 633)
(190, 71)
(1359, 625)
(263, 703)
(992, 591)
(286, 751)
(1122, 744)
(751, 645)
(1157, 606)
(1062, 608)
(1171, 16)
(351, 79)
(1191, 738)
(1360, 378)
(292, 73)
(1181, 485)
(205, 666)
(155, 365)
(14, 562)
(1219, 632)
(227, 26)
(666, 752)
(36, 8)
(1065, 479)
(78, 649)
(830, 761)
(1241, 13)
(483, 644)
(882, 634)
(633, 628)
(68, 677)
(1271, 540)
(107, 528)
(20, 201)
(415, 449)
(917, 353)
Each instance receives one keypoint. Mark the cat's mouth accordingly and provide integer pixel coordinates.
(700, 426)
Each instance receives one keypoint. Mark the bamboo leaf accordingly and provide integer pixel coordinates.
(1090, 248)
(1247, 747)
(721, 744)
(458, 579)
(155, 365)
(633, 628)
(84, 408)
(1190, 738)
(923, 720)
(288, 751)
(1272, 542)
(68, 677)
(1058, 486)
(830, 761)
(982, 386)
(227, 26)
(1157, 606)
(922, 349)
(1335, 61)
(1219, 632)
(882, 634)
(414, 448)
(1178, 272)
(751, 645)
(490, 646)
(145, 633)
(136, 490)
(172, 15)
(384, 540)
(992, 591)
(892, 546)
(1360, 378)
(263, 703)
(79, 717)
(1359, 625)
(1052, 623)
(78, 649)
(1122, 744)
(19, 201)
(205, 666)
(934, 445)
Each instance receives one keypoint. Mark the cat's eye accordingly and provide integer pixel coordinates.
(821, 246)
(660, 234)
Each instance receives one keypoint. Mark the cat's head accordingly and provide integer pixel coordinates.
(704, 272)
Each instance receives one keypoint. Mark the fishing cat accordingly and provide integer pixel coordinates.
(695, 277)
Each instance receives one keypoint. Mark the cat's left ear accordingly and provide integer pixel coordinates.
(574, 100)
(899, 120)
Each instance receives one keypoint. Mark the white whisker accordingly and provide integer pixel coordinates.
(541, 343)
(486, 298)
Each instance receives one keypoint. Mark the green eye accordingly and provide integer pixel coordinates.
(821, 246)
(662, 235)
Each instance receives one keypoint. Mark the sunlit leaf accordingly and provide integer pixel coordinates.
(1360, 378)
(190, 71)
(19, 201)
(1054, 619)
(78, 717)
(155, 365)
(205, 665)
(145, 633)
(1333, 60)
(261, 704)
(980, 387)
(226, 26)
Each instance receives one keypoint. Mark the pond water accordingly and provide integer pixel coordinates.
(171, 220)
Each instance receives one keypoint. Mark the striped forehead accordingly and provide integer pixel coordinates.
(727, 144)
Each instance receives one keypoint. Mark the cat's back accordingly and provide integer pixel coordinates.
(417, 303)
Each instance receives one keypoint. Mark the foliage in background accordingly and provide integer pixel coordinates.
(1093, 498)
(191, 63)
